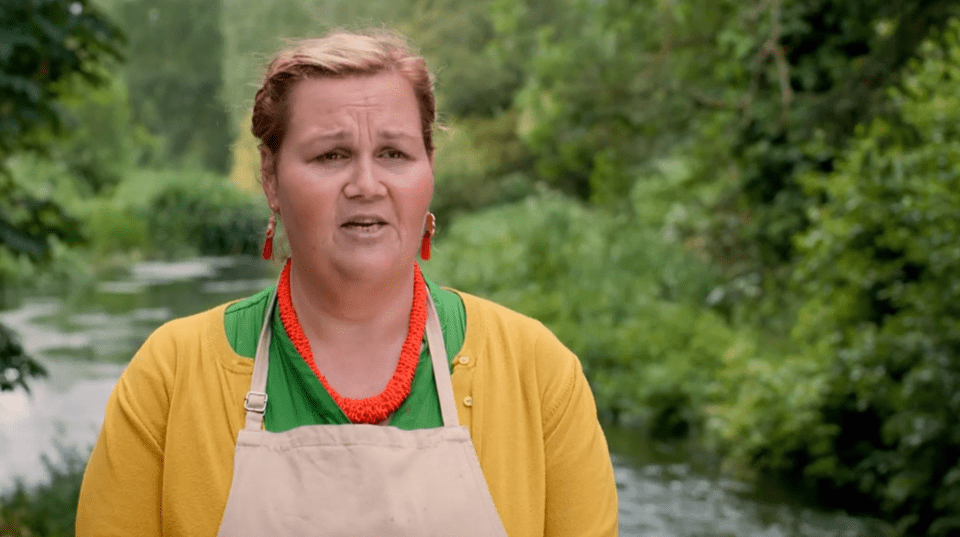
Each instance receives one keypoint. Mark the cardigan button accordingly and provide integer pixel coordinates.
(468, 401)
(464, 360)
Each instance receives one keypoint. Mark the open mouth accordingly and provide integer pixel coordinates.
(364, 224)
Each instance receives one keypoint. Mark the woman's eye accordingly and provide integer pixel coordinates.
(394, 153)
(332, 155)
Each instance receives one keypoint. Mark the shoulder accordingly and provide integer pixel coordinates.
(184, 332)
(506, 338)
(492, 322)
(172, 345)
(144, 392)
(487, 316)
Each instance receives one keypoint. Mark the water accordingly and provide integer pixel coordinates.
(672, 490)
(84, 345)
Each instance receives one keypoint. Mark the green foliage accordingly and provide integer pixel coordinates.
(18, 365)
(177, 213)
(102, 141)
(155, 213)
(174, 72)
(585, 60)
(457, 38)
(48, 49)
(737, 88)
(38, 183)
(50, 508)
(880, 411)
(627, 302)
(475, 166)
(113, 227)
(29, 221)
(768, 420)
(46, 46)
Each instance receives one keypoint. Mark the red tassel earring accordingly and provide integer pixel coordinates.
(427, 235)
(268, 243)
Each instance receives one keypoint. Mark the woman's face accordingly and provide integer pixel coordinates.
(351, 181)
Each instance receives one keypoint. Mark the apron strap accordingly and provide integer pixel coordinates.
(255, 403)
(441, 366)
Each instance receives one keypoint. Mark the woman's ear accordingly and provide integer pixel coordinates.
(268, 177)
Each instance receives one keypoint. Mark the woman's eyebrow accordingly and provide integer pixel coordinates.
(393, 134)
(335, 135)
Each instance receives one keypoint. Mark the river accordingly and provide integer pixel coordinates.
(85, 340)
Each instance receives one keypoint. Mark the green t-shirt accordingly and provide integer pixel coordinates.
(297, 397)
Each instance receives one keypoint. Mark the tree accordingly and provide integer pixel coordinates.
(737, 89)
(45, 46)
(175, 77)
(48, 49)
(879, 266)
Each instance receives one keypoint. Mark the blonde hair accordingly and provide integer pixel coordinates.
(339, 54)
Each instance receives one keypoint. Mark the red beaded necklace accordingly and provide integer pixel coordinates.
(378, 408)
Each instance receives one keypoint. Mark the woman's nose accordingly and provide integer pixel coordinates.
(364, 181)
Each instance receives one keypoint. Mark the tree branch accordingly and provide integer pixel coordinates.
(771, 48)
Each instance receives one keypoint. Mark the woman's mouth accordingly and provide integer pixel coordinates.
(364, 226)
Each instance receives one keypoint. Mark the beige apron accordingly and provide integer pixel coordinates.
(357, 480)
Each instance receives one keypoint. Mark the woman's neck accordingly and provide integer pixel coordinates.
(335, 310)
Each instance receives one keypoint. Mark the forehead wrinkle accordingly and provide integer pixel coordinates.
(346, 120)
(341, 134)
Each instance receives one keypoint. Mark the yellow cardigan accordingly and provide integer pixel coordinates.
(164, 460)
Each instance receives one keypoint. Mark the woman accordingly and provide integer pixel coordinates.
(345, 422)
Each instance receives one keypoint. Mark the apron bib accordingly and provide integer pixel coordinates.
(357, 479)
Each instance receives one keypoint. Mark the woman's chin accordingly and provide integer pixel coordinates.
(372, 263)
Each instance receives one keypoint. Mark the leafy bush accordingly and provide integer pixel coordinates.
(49, 49)
(769, 418)
(879, 416)
(475, 166)
(111, 227)
(178, 213)
(50, 508)
(18, 366)
(629, 303)
(102, 141)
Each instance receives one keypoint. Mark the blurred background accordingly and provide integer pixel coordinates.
(743, 216)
